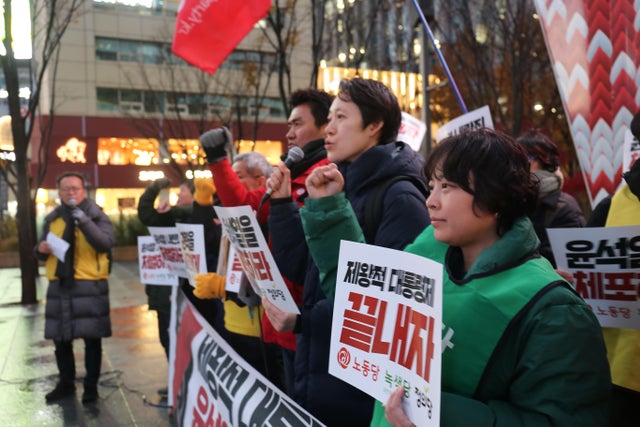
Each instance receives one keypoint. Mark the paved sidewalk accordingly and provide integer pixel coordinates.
(134, 366)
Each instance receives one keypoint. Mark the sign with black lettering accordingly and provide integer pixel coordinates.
(605, 263)
(387, 327)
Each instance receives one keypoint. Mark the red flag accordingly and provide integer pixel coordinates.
(207, 31)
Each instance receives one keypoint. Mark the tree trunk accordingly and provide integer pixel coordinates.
(26, 225)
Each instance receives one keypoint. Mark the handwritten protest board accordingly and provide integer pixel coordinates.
(387, 327)
(168, 241)
(193, 250)
(605, 262)
(151, 265)
(241, 227)
(473, 120)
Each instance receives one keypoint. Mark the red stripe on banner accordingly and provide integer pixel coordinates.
(207, 31)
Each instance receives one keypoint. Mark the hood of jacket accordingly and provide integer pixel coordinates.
(378, 164)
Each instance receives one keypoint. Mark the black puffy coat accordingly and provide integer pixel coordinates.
(405, 215)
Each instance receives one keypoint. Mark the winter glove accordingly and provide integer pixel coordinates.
(216, 143)
(79, 216)
(204, 191)
(161, 184)
(209, 285)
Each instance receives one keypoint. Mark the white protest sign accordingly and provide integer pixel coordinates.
(473, 120)
(193, 250)
(168, 241)
(411, 131)
(605, 262)
(151, 265)
(631, 150)
(241, 227)
(387, 327)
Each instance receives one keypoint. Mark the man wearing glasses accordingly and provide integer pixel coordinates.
(78, 294)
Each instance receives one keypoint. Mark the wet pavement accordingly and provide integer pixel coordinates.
(134, 366)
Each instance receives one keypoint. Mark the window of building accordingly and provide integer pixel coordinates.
(129, 51)
(185, 104)
(106, 49)
(107, 99)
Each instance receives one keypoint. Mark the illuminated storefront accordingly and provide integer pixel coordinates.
(118, 168)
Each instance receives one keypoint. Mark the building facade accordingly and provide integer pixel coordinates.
(126, 111)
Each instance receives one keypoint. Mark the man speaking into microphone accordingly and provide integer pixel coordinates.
(78, 292)
(306, 126)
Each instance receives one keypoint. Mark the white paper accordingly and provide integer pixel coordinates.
(58, 246)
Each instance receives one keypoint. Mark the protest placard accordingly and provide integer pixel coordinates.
(151, 265)
(387, 327)
(473, 120)
(241, 227)
(411, 131)
(193, 250)
(168, 241)
(605, 262)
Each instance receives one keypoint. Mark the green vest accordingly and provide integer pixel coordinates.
(480, 311)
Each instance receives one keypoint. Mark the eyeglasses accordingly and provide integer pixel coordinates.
(70, 189)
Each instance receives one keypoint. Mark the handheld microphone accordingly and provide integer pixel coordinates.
(295, 155)
(72, 205)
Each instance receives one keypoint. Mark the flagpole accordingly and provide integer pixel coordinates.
(441, 57)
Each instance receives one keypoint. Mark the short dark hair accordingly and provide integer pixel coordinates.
(376, 103)
(85, 183)
(540, 147)
(318, 101)
(497, 165)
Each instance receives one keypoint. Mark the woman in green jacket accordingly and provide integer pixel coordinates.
(523, 348)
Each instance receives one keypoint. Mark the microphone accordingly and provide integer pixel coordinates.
(294, 156)
(72, 205)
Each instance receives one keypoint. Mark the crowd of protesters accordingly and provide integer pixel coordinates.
(540, 357)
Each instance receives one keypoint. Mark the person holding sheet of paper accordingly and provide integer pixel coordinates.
(520, 347)
(78, 292)
(623, 345)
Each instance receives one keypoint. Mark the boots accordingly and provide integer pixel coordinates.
(90, 393)
(63, 389)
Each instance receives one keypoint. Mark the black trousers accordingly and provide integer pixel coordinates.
(92, 361)
(164, 319)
